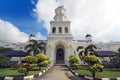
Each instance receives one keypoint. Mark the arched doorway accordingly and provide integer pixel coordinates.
(60, 54)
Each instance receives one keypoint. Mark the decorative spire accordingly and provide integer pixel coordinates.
(60, 14)
(60, 2)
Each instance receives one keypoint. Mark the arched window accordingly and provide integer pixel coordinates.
(66, 30)
(60, 29)
(53, 30)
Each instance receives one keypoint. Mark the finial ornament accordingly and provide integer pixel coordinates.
(60, 2)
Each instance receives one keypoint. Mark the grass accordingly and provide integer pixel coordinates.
(107, 72)
(14, 72)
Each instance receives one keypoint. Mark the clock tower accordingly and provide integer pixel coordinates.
(60, 39)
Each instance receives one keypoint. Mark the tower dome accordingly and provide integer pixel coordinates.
(88, 38)
(31, 37)
(88, 35)
(60, 14)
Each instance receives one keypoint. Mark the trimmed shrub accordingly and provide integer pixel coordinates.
(23, 70)
(27, 66)
(41, 57)
(44, 63)
(33, 65)
(42, 60)
(75, 66)
(94, 64)
(30, 59)
(14, 65)
(74, 61)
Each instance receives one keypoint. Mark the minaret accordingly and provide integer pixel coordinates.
(59, 37)
(60, 25)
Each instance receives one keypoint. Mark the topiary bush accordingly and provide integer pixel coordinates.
(14, 65)
(75, 66)
(44, 63)
(94, 64)
(23, 70)
(74, 61)
(27, 66)
(33, 65)
(30, 59)
(42, 60)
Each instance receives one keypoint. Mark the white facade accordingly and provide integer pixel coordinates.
(60, 43)
(60, 39)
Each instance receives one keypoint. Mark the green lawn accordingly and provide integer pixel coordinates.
(107, 72)
(13, 72)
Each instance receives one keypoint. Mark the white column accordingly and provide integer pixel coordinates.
(57, 30)
(63, 30)
(68, 29)
(50, 29)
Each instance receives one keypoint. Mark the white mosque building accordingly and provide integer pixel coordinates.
(60, 43)
(60, 40)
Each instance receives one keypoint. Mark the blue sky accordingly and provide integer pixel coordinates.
(100, 18)
(20, 14)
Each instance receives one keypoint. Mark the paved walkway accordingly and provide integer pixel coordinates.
(59, 73)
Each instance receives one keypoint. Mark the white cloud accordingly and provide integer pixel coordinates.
(39, 36)
(10, 33)
(32, 1)
(101, 18)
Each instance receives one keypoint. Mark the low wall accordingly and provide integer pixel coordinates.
(31, 77)
(91, 78)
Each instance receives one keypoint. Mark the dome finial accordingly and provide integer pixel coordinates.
(60, 2)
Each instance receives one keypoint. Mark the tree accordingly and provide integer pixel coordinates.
(4, 61)
(42, 60)
(74, 61)
(28, 63)
(3, 49)
(118, 55)
(119, 50)
(116, 60)
(79, 48)
(33, 47)
(42, 46)
(81, 53)
(30, 59)
(24, 68)
(94, 64)
(91, 48)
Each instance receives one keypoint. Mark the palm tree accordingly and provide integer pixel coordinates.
(42, 46)
(118, 55)
(119, 50)
(90, 48)
(115, 61)
(33, 47)
(79, 47)
(80, 52)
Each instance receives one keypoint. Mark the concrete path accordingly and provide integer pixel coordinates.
(59, 73)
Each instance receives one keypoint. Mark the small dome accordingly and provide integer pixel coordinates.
(60, 6)
(32, 35)
(88, 35)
